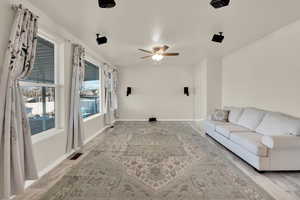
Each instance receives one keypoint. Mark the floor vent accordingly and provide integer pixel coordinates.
(75, 156)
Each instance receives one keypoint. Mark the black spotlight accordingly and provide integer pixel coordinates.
(219, 3)
(186, 91)
(101, 39)
(129, 91)
(218, 38)
(107, 3)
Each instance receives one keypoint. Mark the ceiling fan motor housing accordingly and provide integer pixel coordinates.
(107, 3)
(219, 3)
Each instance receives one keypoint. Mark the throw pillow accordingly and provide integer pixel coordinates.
(220, 115)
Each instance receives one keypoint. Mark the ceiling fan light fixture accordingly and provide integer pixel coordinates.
(157, 57)
(106, 3)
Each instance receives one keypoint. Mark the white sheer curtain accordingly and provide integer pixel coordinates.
(16, 156)
(114, 88)
(75, 133)
(110, 94)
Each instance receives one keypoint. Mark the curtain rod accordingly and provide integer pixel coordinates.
(20, 6)
(110, 66)
(16, 7)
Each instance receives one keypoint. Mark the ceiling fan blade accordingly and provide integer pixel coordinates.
(146, 51)
(145, 57)
(170, 54)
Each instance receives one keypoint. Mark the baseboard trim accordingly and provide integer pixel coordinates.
(95, 135)
(162, 120)
(61, 159)
(131, 120)
(49, 168)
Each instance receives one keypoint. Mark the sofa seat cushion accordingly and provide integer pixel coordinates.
(227, 129)
(251, 141)
(210, 125)
(279, 124)
(251, 118)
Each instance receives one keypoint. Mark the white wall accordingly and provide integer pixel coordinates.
(214, 84)
(208, 87)
(50, 150)
(6, 17)
(199, 91)
(157, 91)
(266, 74)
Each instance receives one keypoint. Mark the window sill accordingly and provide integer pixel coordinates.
(93, 117)
(46, 135)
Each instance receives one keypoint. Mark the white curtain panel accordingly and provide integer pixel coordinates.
(107, 98)
(114, 90)
(75, 137)
(110, 95)
(17, 163)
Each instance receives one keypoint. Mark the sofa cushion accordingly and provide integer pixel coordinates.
(220, 115)
(227, 129)
(210, 125)
(251, 141)
(251, 118)
(234, 114)
(279, 124)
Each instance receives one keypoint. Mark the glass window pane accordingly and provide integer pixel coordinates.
(90, 91)
(43, 69)
(40, 108)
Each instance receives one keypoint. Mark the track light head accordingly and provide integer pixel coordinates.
(101, 39)
(219, 3)
(106, 3)
(218, 38)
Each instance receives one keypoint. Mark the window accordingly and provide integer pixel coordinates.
(39, 89)
(90, 91)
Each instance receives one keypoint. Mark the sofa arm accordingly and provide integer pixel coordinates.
(281, 142)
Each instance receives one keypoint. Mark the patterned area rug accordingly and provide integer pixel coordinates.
(161, 161)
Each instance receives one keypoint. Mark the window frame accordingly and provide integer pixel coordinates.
(89, 59)
(56, 85)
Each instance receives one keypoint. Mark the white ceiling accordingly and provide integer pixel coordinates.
(185, 25)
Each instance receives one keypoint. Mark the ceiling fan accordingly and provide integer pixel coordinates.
(158, 53)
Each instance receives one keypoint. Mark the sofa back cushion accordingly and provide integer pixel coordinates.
(279, 124)
(234, 114)
(251, 118)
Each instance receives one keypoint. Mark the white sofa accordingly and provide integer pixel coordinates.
(269, 141)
